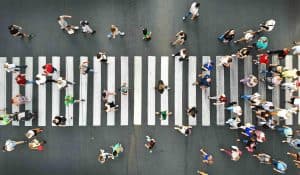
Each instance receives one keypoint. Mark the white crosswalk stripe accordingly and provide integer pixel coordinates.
(205, 117)
(288, 64)
(28, 89)
(15, 90)
(178, 92)
(55, 90)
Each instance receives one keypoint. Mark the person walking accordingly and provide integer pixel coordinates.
(262, 43)
(295, 157)
(114, 31)
(69, 100)
(41, 79)
(296, 49)
(48, 69)
(161, 86)
(22, 81)
(281, 53)
(204, 82)
(146, 34)
(180, 38)
(63, 83)
(106, 94)
(234, 122)
(220, 100)
(267, 26)
(13, 67)
(192, 111)
(16, 31)
(110, 107)
(185, 130)
(207, 158)
(262, 59)
(10, 145)
(70, 29)
(248, 36)
(193, 11)
(225, 61)
(85, 68)
(227, 36)
(279, 166)
(183, 54)
(117, 149)
(84, 24)
(243, 52)
(235, 108)
(250, 81)
(150, 143)
(103, 156)
(36, 144)
(235, 153)
(124, 88)
(20, 100)
(101, 57)
(263, 158)
(163, 114)
(59, 120)
(33, 132)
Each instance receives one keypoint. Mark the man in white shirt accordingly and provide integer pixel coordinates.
(296, 50)
(86, 28)
(10, 145)
(13, 68)
(194, 11)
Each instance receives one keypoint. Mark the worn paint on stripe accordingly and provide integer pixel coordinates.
(97, 93)
(124, 98)
(234, 82)
(192, 89)
(137, 113)
(276, 90)
(205, 100)
(220, 90)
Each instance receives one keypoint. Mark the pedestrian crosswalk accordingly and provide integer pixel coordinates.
(141, 75)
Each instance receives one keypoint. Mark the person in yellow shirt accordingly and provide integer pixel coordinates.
(292, 74)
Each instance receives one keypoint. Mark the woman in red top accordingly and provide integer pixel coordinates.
(21, 80)
(262, 59)
(49, 69)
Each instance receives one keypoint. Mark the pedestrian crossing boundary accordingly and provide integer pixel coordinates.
(139, 106)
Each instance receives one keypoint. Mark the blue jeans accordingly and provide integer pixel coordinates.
(246, 97)
(187, 15)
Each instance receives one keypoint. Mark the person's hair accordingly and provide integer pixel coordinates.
(239, 124)
(298, 72)
(12, 101)
(230, 60)
(272, 107)
(115, 153)
(10, 27)
(4, 149)
(44, 67)
(105, 108)
(98, 55)
(55, 121)
(197, 4)
(113, 29)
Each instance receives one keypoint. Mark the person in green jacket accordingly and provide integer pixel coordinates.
(5, 119)
(163, 114)
(69, 100)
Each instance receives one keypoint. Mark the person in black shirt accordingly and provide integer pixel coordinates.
(15, 30)
(59, 120)
(227, 36)
(281, 53)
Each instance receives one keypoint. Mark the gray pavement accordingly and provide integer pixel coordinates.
(74, 150)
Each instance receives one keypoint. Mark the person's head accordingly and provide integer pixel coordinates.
(272, 107)
(229, 60)
(115, 153)
(4, 148)
(144, 30)
(12, 101)
(286, 50)
(10, 27)
(197, 5)
(298, 73)
(231, 32)
(113, 28)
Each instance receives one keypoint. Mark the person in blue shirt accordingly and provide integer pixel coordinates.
(204, 81)
(279, 166)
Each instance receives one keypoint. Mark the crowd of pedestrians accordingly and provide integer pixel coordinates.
(253, 42)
